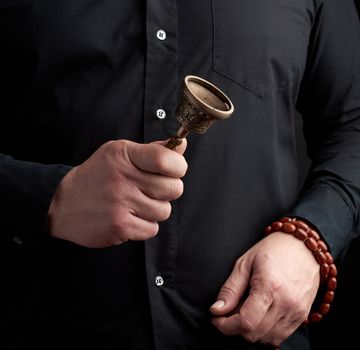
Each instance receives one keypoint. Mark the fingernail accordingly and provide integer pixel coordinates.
(218, 304)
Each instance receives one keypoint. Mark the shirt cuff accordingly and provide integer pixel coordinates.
(27, 190)
(327, 211)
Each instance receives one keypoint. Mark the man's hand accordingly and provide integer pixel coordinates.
(269, 292)
(120, 193)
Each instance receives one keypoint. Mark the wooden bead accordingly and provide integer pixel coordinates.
(300, 234)
(302, 225)
(268, 230)
(329, 296)
(320, 257)
(322, 246)
(332, 283)
(277, 226)
(311, 244)
(286, 219)
(329, 258)
(289, 228)
(324, 308)
(333, 271)
(324, 269)
(313, 234)
(323, 279)
(315, 317)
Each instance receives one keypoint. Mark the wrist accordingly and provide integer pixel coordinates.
(57, 206)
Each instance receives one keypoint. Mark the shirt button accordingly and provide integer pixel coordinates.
(17, 240)
(159, 281)
(161, 114)
(161, 34)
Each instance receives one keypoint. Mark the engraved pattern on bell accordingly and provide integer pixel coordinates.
(192, 118)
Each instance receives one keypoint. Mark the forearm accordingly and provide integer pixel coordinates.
(26, 190)
(329, 102)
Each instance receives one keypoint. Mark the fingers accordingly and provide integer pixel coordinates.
(232, 290)
(142, 229)
(274, 328)
(283, 317)
(257, 304)
(232, 325)
(160, 168)
(151, 209)
(160, 187)
(251, 314)
(155, 158)
(139, 220)
(131, 227)
(179, 149)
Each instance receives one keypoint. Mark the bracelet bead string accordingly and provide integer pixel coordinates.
(318, 247)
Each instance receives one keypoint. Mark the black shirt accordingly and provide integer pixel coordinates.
(75, 74)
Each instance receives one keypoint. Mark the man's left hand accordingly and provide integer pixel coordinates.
(270, 291)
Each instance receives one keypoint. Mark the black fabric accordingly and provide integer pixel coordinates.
(75, 74)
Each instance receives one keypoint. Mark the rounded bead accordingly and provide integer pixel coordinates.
(302, 225)
(333, 271)
(268, 230)
(277, 226)
(329, 258)
(320, 257)
(329, 296)
(313, 234)
(324, 269)
(300, 234)
(322, 246)
(311, 244)
(286, 219)
(315, 317)
(323, 279)
(332, 283)
(289, 228)
(324, 308)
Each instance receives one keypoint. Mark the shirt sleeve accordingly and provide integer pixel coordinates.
(329, 101)
(26, 191)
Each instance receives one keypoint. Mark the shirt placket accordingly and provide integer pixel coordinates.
(161, 98)
(161, 82)
(162, 91)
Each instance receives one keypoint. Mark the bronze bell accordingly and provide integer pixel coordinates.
(202, 103)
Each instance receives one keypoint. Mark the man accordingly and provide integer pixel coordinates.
(88, 94)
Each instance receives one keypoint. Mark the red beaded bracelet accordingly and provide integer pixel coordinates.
(312, 241)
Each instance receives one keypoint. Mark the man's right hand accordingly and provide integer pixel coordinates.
(120, 193)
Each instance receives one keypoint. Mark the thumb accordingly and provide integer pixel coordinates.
(232, 291)
(179, 149)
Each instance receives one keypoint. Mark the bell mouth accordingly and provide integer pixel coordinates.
(207, 97)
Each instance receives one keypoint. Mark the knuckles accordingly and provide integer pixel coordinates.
(230, 289)
(247, 328)
(116, 149)
(178, 189)
(250, 338)
(164, 212)
(121, 228)
(290, 303)
(183, 166)
(154, 230)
